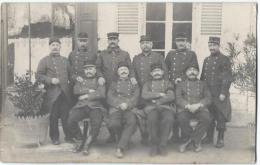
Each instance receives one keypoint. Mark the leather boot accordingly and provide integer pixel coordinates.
(210, 134)
(220, 141)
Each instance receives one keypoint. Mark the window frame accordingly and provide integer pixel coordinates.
(169, 25)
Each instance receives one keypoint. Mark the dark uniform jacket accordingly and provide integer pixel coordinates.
(122, 91)
(54, 66)
(150, 94)
(96, 93)
(192, 92)
(142, 66)
(177, 61)
(217, 73)
(77, 60)
(107, 63)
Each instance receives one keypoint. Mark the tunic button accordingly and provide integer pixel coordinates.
(183, 63)
(174, 63)
(174, 58)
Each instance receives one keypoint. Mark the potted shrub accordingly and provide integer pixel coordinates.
(32, 120)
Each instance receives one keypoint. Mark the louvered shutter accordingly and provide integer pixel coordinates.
(211, 18)
(127, 20)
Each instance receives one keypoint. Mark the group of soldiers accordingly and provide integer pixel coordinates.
(160, 96)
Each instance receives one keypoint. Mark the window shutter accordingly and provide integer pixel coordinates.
(127, 20)
(211, 19)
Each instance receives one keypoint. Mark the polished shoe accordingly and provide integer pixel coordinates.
(162, 150)
(184, 146)
(220, 144)
(220, 141)
(197, 147)
(119, 153)
(55, 142)
(153, 151)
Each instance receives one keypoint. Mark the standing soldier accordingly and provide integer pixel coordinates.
(159, 95)
(142, 67)
(218, 75)
(79, 56)
(54, 71)
(122, 98)
(192, 99)
(177, 61)
(90, 96)
(107, 64)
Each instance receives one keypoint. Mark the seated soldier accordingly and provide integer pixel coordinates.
(89, 105)
(122, 98)
(192, 99)
(158, 94)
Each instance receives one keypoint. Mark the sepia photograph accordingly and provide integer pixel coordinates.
(128, 82)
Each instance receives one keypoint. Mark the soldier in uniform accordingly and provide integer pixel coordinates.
(107, 64)
(78, 56)
(54, 71)
(177, 61)
(142, 67)
(218, 75)
(90, 96)
(192, 99)
(159, 95)
(122, 98)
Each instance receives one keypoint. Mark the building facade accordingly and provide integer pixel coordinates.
(30, 25)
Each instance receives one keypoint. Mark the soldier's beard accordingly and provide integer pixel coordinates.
(192, 76)
(90, 75)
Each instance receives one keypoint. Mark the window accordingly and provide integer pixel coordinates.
(164, 21)
(29, 27)
(182, 21)
(155, 25)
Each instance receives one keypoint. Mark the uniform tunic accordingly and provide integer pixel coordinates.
(142, 66)
(192, 92)
(90, 107)
(177, 61)
(122, 123)
(107, 63)
(54, 66)
(77, 59)
(217, 73)
(150, 92)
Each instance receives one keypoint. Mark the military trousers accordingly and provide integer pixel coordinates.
(218, 117)
(204, 119)
(60, 109)
(95, 116)
(123, 124)
(159, 124)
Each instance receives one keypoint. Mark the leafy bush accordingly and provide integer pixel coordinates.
(244, 63)
(27, 96)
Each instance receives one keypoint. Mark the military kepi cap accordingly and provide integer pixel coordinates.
(54, 39)
(181, 36)
(192, 66)
(112, 35)
(214, 40)
(145, 38)
(83, 35)
(89, 63)
(123, 64)
(156, 66)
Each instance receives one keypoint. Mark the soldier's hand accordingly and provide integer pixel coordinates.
(123, 106)
(55, 81)
(162, 94)
(83, 97)
(79, 79)
(101, 81)
(133, 81)
(222, 97)
(91, 91)
(178, 80)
